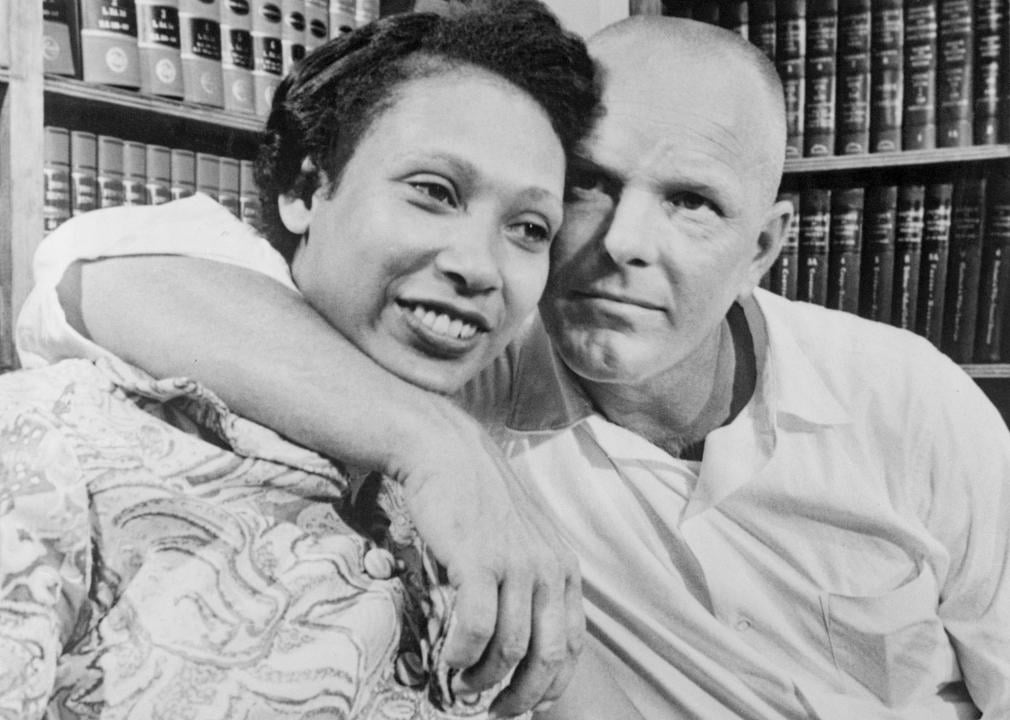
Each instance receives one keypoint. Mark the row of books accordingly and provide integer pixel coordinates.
(84, 171)
(228, 54)
(931, 255)
(865, 76)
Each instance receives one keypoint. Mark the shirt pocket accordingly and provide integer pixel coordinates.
(888, 642)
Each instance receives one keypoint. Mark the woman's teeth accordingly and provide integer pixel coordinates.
(442, 324)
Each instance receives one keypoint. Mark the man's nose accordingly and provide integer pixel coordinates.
(469, 258)
(629, 238)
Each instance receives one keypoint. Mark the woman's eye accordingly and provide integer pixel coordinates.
(436, 191)
(531, 233)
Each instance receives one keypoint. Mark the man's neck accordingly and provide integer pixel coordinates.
(677, 410)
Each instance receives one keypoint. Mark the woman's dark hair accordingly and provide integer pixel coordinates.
(324, 106)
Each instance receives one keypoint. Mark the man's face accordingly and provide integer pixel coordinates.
(661, 227)
(435, 245)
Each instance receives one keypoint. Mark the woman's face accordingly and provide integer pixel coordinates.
(434, 247)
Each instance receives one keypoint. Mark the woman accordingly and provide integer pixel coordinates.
(161, 556)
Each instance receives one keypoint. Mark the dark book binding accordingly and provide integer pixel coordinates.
(819, 96)
(933, 269)
(967, 225)
(815, 228)
(994, 273)
(918, 126)
(887, 61)
(989, 72)
(790, 60)
(783, 274)
(908, 253)
(955, 61)
(761, 26)
(844, 248)
(852, 109)
(877, 272)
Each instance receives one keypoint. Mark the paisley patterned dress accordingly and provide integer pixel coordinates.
(161, 557)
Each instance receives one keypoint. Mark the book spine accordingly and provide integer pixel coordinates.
(59, 29)
(790, 60)
(853, 102)
(237, 56)
(844, 247)
(158, 45)
(341, 17)
(110, 172)
(880, 219)
(783, 275)
(56, 178)
(815, 228)
(734, 16)
(994, 273)
(955, 61)
(200, 36)
(365, 11)
(134, 173)
(887, 62)
(819, 96)
(183, 163)
(228, 185)
(908, 254)
(918, 127)
(961, 301)
(83, 172)
(109, 42)
(159, 174)
(292, 34)
(317, 24)
(935, 250)
(990, 41)
(248, 195)
(268, 55)
(208, 174)
(761, 26)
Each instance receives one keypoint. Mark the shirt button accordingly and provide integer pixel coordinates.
(379, 564)
(743, 625)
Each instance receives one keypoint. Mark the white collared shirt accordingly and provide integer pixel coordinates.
(841, 552)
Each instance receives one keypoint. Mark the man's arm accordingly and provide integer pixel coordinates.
(272, 359)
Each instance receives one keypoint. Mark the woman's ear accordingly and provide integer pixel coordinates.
(294, 209)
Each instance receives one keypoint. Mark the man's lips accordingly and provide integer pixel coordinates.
(612, 297)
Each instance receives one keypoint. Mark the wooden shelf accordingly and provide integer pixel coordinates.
(130, 100)
(988, 371)
(909, 158)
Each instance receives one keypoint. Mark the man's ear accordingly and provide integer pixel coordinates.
(294, 209)
(770, 239)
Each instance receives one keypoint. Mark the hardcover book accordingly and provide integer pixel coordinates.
(887, 61)
(110, 172)
(268, 55)
(955, 60)
(819, 96)
(183, 164)
(989, 70)
(109, 42)
(908, 253)
(237, 56)
(880, 219)
(918, 127)
(83, 172)
(159, 174)
(228, 185)
(292, 33)
(844, 247)
(790, 60)
(200, 35)
(134, 173)
(249, 194)
(317, 24)
(935, 251)
(341, 17)
(783, 275)
(158, 44)
(961, 298)
(853, 84)
(761, 26)
(815, 226)
(56, 178)
(208, 174)
(994, 273)
(60, 33)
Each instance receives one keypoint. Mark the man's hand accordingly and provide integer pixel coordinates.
(519, 595)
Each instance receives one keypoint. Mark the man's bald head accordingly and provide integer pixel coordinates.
(652, 60)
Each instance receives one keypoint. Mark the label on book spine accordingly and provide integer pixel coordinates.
(955, 44)
(879, 224)
(933, 272)
(201, 51)
(887, 58)
(109, 42)
(237, 56)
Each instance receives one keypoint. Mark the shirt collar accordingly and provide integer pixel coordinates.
(548, 397)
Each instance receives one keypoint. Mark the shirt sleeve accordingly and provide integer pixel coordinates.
(196, 227)
(968, 456)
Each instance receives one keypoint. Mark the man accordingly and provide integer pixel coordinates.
(773, 519)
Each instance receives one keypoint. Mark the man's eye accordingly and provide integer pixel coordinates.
(581, 184)
(436, 191)
(692, 201)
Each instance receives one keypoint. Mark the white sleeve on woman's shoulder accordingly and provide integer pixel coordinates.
(196, 226)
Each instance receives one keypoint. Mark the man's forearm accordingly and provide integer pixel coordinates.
(262, 349)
